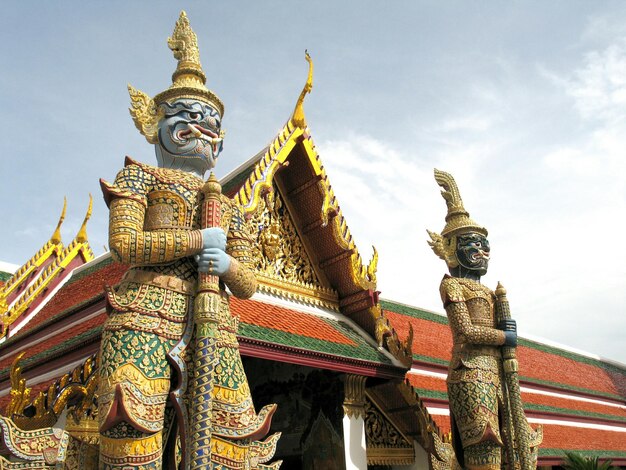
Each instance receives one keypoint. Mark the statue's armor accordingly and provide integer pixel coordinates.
(154, 228)
(474, 376)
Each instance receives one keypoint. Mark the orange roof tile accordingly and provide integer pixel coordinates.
(567, 437)
(81, 287)
(442, 422)
(542, 365)
(578, 405)
(287, 320)
(427, 382)
(429, 338)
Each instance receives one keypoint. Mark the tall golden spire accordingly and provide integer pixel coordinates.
(56, 236)
(298, 113)
(81, 237)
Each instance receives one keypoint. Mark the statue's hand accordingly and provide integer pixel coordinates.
(213, 261)
(510, 332)
(213, 237)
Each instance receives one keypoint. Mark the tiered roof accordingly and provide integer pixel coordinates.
(35, 282)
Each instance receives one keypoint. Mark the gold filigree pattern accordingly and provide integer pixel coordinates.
(20, 394)
(188, 81)
(278, 249)
(354, 396)
(279, 259)
(76, 387)
(45, 447)
(458, 219)
(298, 113)
(385, 443)
(443, 456)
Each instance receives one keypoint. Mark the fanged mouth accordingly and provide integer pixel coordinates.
(480, 255)
(199, 132)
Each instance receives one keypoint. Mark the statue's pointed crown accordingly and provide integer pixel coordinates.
(458, 221)
(188, 81)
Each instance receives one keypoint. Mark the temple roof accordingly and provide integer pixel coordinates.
(32, 284)
(74, 316)
(540, 364)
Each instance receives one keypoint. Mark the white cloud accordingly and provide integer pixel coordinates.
(555, 218)
(599, 88)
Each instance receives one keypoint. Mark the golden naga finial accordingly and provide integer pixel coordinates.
(298, 113)
(188, 81)
(372, 267)
(81, 237)
(56, 236)
(4, 308)
(457, 221)
(20, 394)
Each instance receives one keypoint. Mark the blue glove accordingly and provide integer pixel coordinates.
(213, 237)
(213, 261)
(510, 332)
(510, 339)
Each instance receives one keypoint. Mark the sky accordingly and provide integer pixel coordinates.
(523, 102)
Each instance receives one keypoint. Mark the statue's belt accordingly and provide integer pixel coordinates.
(493, 351)
(160, 280)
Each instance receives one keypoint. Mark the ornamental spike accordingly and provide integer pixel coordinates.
(145, 114)
(188, 82)
(298, 113)
(56, 236)
(81, 237)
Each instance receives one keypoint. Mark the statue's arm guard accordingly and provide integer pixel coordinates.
(128, 241)
(460, 320)
(240, 277)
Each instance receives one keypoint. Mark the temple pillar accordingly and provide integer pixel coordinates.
(354, 422)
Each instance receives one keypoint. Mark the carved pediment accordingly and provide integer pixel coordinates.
(283, 266)
(386, 445)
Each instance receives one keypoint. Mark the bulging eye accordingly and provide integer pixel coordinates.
(194, 116)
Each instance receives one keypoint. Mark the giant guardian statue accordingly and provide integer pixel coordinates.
(486, 413)
(172, 389)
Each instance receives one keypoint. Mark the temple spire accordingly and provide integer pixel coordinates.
(298, 113)
(81, 237)
(56, 236)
